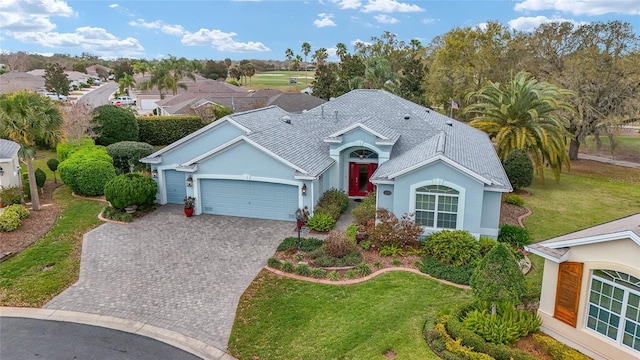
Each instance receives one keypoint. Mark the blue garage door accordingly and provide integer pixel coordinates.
(249, 199)
(176, 186)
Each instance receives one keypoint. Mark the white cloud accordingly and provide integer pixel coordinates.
(176, 30)
(389, 6)
(358, 41)
(324, 21)
(31, 15)
(530, 23)
(482, 26)
(91, 39)
(347, 4)
(221, 41)
(386, 19)
(429, 21)
(114, 6)
(582, 7)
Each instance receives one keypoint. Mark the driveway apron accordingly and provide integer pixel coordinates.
(178, 273)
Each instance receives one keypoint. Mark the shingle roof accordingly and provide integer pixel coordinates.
(555, 248)
(8, 149)
(414, 129)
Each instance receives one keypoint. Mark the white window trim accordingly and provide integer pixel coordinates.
(461, 201)
(625, 302)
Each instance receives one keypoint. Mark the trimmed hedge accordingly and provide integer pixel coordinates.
(64, 150)
(130, 189)
(457, 274)
(127, 153)
(558, 350)
(113, 124)
(519, 169)
(87, 170)
(164, 130)
(306, 244)
(455, 247)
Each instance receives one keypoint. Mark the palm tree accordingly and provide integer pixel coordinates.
(320, 56)
(341, 50)
(248, 70)
(141, 67)
(26, 118)
(289, 55)
(126, 81)
(306, 49)
(525, 114)
(296, 62)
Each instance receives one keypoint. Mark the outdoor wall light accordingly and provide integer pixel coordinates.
(304, 190)
(154, 173)
(189, 181)
(1, 171)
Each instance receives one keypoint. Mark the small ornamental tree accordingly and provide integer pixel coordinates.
(130, 189)
(498, 278)
(52, 164)
(519, 169)
(127, 154)
(41, 178)
(113, 124)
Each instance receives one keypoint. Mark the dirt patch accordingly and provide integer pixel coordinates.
(528, 344)
(33, 228)
(509, 214)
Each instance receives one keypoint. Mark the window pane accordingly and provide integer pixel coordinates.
(425, 218)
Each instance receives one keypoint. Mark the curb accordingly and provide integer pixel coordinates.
(363, 279)
(521, 217)
(180, 341)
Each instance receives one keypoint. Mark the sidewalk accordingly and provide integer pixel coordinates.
(606, 160)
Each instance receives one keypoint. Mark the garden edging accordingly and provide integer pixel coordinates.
(362, 279)
(521, 217)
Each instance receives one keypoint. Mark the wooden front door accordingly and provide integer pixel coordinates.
(359, 175)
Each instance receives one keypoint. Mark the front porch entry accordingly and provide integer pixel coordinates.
(359, 175)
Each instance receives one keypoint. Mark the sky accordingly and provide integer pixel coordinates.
(264, 29)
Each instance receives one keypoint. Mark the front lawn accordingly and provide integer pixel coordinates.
(52, 264)
(281, 318)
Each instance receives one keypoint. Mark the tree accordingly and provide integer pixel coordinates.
(341, 50)
(289, 55)
(113, 124)
(55, 80)
(519, 169)
(412, 75)
(248, 70)
(126, 81)
(122, 67)
(28, 118)
(235, 72)
(320, 56)
(141, 67)
(525, 114)
(325, 81)
(215, 70)
(80, 66)
(52, 164)
(306, 49)
(77, 122)
(227, 62)
(498, 278)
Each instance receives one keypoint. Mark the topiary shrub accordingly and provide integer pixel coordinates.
(519, 169)
(365, 210)
(113, 124)
(52, 164)
(87, 170)
(515, 236)
(455, 247)
(127, 154)
(337, 244)
(321, 222)
(41, 177)
(130, 189)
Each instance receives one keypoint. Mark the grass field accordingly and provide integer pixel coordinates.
(280, 80)
(627, 147)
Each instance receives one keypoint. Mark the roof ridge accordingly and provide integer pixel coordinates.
(442, 137)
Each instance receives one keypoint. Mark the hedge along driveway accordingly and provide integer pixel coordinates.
(164, 130)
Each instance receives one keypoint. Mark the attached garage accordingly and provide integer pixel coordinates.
(254, 199)
(175, 186)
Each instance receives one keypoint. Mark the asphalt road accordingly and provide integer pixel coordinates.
(26, 339)
(99, 96)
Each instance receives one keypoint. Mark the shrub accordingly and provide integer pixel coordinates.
(118, 215)
(514, 235)
(455, 346)
(9, 221)
(41, 177)
(130, 189)
(322, 258)
(519, 169)
(287, 266)
(388, 229)
(350, 274)
(64, 150)
(558, 350)
(457, 274)
(127, 154)
(365, 244)
(52, 164)
(333, 276)
(352, 231)
(337, 244)
(87, 169)
(365, 210)
(113, 124)
(317, 273)
(363, 269)
(335, 196)
(321, 222)
(306, 244)
(11, 195)
(164, 130)
(18, 209)
(514, 199)
(273, 262)
(505, 328)
(391, 250)
(303, 270)
(330, 209)
(455, 247)
(485, 244)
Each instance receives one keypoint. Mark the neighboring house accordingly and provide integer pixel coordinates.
(9, 164)
(266, 163)
(16, 81)
(591, 289)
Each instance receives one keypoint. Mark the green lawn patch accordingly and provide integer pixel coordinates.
(40, 161)
(52, 264)
(280, 80)
(281, 318)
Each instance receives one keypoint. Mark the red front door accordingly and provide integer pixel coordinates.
(359, 175)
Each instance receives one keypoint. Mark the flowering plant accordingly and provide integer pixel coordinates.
(189, 202)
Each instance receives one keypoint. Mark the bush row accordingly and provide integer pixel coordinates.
(558, 350)
(452, 349)
(306, 244)
(164, 130)
(457, 274)
(302, 269)
(12, 217)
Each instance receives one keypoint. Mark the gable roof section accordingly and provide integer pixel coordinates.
(556, 249)
(8, 149)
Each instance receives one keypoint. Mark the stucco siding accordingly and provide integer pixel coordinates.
(358, 135)
(11, 175)
(490, 215)
(385, 201)
(199, 145)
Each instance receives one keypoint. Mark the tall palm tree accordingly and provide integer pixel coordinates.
(341, 50)
(525, 114)
(297, 61)
(141, 67)
(26, 118)
(126, 81)
(320, 56)
(306, 49)
(289, 55)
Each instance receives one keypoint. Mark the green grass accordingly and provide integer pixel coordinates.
(52, 264)
(280, 318)
(280, 80)
(40, 161)
(623, 143)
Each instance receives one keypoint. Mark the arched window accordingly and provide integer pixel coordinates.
(363, 154)
(614, 307)
(437, 206)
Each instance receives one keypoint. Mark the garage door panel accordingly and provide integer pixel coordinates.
(175, 186)
(249, 199)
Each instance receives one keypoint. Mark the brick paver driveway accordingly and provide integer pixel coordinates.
(178, 273)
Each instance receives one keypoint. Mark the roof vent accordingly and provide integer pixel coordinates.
(427, 110)
(407, 116)
(331, 98)
(286, 119)
(449, 122)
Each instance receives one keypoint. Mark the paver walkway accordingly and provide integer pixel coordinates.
(178, 273)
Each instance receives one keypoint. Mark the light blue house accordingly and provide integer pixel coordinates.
(266, 163)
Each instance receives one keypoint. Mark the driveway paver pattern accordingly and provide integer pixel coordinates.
(178, 273)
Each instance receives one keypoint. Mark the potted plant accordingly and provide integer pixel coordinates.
(302, 215)
(189, 204)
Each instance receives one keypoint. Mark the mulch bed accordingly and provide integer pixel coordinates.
(509, 214)
(34, 227)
